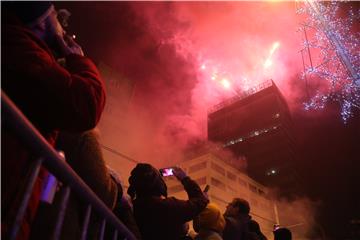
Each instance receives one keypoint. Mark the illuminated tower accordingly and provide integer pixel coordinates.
(257, 124)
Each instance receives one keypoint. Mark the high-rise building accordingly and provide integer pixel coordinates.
(257, 125)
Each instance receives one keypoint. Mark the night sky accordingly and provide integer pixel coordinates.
(167, 49)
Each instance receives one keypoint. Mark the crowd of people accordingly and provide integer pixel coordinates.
(61, 92)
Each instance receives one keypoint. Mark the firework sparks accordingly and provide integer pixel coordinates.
(268, 61)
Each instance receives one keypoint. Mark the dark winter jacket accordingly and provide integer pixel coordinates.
(236, 228)
(163, 218)
(52, 97)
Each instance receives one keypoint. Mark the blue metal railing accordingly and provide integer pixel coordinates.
(54, 163)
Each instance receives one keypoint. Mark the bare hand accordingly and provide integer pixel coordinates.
(66, 44)
(69, 46)
(179, 173)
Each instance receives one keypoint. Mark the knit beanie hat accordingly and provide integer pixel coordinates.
(29, 12)
(145, 180)
(210, 218)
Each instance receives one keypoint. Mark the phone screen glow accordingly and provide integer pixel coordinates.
(167, 172)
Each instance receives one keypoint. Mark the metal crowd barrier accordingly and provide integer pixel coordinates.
(53, 162)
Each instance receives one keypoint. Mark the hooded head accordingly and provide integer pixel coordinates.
(145, 181)
(30, 13)
(210, 218)
(41, 18)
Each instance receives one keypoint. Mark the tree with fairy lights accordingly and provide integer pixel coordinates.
(338, 56)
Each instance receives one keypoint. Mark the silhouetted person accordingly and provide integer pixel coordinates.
(158, 216)
(282, 234)
(254, 229)
(237, 219)
(124, 211)
(53, 97)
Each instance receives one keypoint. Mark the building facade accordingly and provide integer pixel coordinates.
(226, 183)
(258, 125)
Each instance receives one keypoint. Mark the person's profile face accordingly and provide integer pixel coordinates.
(231, 210)
(53, 26)
(53, 31)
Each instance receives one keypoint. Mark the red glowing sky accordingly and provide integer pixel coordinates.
(185, 57)
(162, 46)
(231, 45)
(228, 48)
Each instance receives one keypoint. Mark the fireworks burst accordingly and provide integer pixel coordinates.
(238, 84)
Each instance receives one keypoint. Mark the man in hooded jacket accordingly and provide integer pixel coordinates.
(53, 96)
(237, 220)
(158, 216)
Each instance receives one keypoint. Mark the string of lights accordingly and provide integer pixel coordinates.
(338, 58)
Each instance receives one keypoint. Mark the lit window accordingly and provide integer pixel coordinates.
(219, 200)
(271, 172)
(201, 181)
(231, 189)
(261, 192)
(242, 182)
(256, 133)
(218, 168)
(277, 115)
(231, 176)
(217, 183)
(254, 202)
(197, 167)
(252, 188)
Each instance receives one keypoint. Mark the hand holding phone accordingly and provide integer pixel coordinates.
(179, 173)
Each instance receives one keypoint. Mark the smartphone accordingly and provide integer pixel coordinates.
(165, 172)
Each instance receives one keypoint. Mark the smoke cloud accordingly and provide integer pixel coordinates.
(181, 58)
(299, 216)
(186, 57)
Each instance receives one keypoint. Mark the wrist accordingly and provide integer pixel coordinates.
(184, 178)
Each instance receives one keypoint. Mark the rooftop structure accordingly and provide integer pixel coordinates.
(259, 127)
(242, 95)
